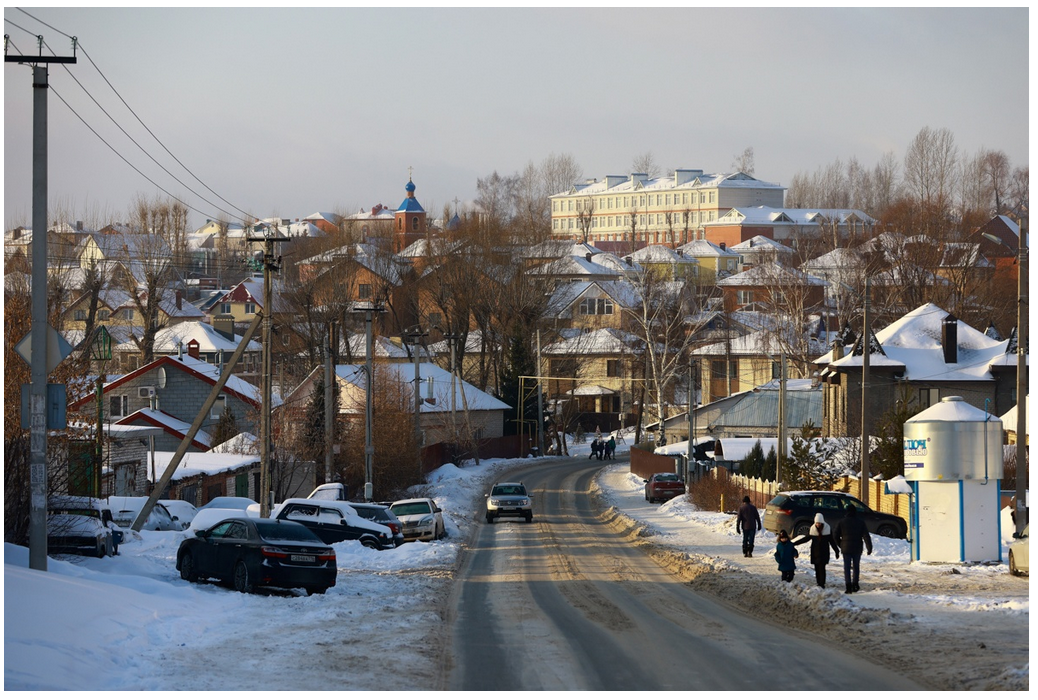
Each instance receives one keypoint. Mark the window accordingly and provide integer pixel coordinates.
(124, 314)
(364, 291)
(929, 397)
(612, 368)
(217, 410)
(563, 368)
(414, 223)
(79, 315)
(745, 296)
(250, 307)
(118, 406)
(225, 308)
(435, 319)
(596, 307)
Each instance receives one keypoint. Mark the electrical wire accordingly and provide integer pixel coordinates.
(246, 214)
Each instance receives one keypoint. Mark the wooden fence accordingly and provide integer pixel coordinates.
(761, 491)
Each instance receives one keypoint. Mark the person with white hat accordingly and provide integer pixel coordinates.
(821, 538)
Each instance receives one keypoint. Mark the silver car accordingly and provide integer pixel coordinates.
(509, 500)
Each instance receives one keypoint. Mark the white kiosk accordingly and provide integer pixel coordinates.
(953, 459)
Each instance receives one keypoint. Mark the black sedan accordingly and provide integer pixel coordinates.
(251, 552)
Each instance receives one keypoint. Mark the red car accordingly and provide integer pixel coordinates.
(663, 487)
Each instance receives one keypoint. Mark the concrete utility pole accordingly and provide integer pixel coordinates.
(415, 337)
(866, 423)
(1021, 387)
(369, 413)
(782, 420)
(270, 264)
(329, 416)
(38, 334)
(540, 401)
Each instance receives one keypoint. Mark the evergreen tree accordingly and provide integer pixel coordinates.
(770, 465)
(888, 458)
(226, 427)
(753, 465)
(520, 363)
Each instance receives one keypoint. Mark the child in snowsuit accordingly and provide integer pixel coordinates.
(785, 555)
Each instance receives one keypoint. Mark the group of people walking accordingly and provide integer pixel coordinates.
(603, 449)
(849, 538)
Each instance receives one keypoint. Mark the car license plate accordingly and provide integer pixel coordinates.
(310, 558)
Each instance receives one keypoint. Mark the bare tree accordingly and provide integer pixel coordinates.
(743, 162)
(931, 175)
(585, 217)
(995, 170)
(646, 163)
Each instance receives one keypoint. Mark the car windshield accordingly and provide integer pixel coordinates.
(508, 490)
(276, 530)
(412, 508)
(668, 477)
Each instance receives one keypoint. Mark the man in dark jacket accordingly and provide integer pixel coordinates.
(747, 522)
(850, 534)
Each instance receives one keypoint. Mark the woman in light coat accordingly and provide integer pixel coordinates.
(821, 538)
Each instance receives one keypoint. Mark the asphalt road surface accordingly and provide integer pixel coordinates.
(566, 603)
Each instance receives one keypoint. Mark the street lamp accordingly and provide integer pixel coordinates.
(369, 445)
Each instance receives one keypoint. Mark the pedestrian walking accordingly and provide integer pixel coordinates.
(748, 522)
(611, 447)
(594, 448)
(786, 555)
(851, 534)
(821, 538)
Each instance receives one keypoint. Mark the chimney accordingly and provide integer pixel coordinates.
(79, 225)
(837, 348)
(629, 261)
(192, 348)
(723, 246)
(224, 325)
(950, 339)
(588, 256)
(180, 300)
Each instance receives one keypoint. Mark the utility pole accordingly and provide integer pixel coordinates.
(270, 264)
(1021, 386)
(329, 403)
(369, 413)
(38, 333)
(782, 439)
(866, 424)
(415, 336)
(540, 401)
(452, 339)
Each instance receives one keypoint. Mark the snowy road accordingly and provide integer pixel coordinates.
(566, 603)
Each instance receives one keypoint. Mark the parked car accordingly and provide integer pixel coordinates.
(663, 487)
(330, 492)
(509, 500)
(234, 502)
(182, 511)
(334, 521)
(381, 514)
(421, 517)
(81, 525)
(126, 508)
(794, 511)
(1018, 556)
(250, 552)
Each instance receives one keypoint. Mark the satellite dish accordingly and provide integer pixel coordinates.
(161, 378)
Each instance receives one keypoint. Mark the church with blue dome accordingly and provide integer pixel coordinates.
(410, 220)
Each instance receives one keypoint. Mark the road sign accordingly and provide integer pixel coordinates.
(57, 348)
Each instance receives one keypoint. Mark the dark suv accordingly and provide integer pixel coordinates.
(794, 512)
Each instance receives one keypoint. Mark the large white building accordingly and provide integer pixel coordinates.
(636, 210)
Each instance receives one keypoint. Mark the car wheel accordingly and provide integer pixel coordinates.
(887, 531)
(490, 518)
(443, 533)
(801, 529)
(370, 543)
(187, 568)
(242, 581)
(1012, 565)
(101, 551)
(316, 591)
(529, 517)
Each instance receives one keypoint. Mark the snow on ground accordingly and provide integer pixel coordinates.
(130, 622)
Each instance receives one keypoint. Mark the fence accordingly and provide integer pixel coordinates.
(645, 464)
(761, 491)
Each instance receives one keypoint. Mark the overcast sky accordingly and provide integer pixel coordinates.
(288, 112)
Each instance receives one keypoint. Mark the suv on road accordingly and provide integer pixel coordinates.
(509, 500)
(794, 512)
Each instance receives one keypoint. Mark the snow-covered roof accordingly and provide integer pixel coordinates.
(604, 341)
(169, 340)
(771, 273)
(170, 424)
(760, 244)
(403, 373)
(749, 216)
(914, 342)
(195, 463)
(701, 248)
(953, 409)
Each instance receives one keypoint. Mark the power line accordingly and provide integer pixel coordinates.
(138, 118)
